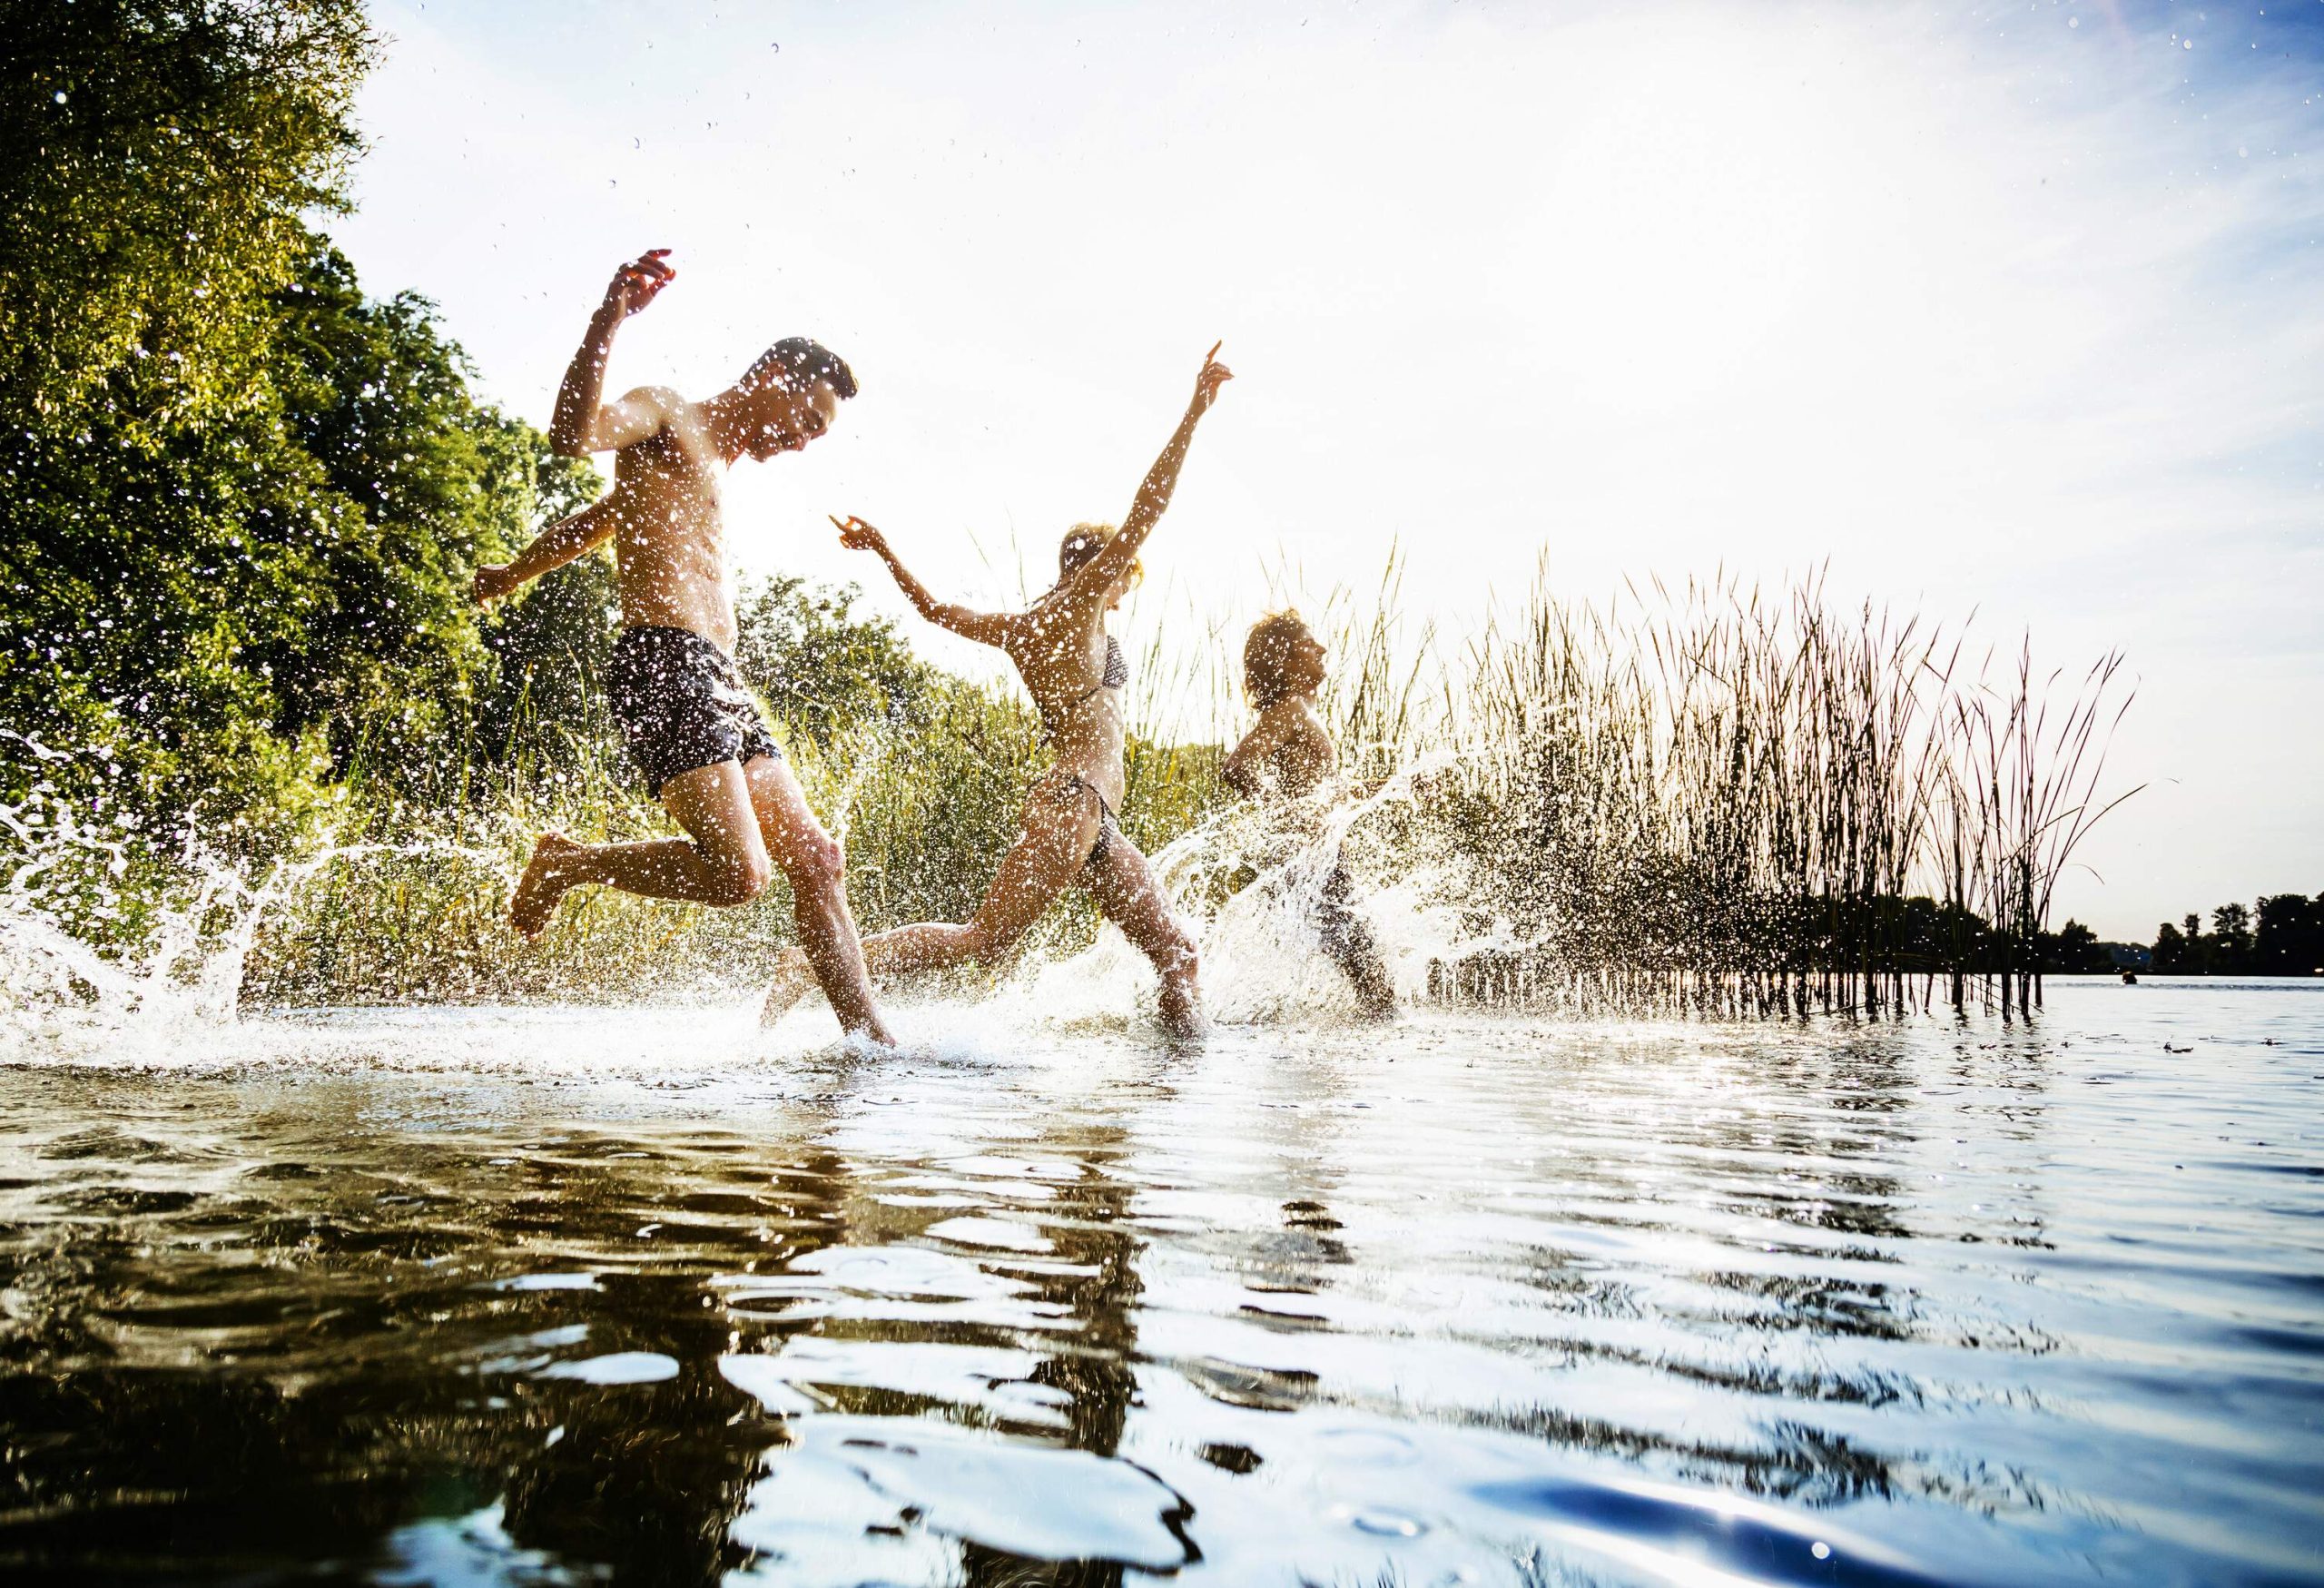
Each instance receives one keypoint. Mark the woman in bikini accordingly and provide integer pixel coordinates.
(1074, 673)
(1287, 754)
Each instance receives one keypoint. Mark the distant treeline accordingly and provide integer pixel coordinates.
(2282, 935)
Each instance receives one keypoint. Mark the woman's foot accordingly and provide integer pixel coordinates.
(1181, 1010)
(547, 876)
(795, 978)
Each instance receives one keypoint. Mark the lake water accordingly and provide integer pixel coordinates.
(539, 1296)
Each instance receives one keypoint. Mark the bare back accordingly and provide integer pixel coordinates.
(669, 534)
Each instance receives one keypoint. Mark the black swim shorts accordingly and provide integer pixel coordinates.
(680, 705)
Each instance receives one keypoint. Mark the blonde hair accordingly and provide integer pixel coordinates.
(1085, 541)
(1265, 652)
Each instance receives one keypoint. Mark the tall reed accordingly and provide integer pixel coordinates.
(1717, 800)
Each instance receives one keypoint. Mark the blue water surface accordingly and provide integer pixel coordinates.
(537, 1295)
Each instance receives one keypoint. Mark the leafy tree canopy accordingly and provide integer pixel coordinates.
(238, 501)
(157, 158)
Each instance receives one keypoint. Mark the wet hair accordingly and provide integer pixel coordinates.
(1085, 541)
(1267, 651)
(796, 363)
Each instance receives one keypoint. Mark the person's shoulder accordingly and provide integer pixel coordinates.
(667, 413)
(1306, 727)
(1051, 616)
(663, 402)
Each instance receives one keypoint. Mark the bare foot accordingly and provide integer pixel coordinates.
(1181, 1013)
(542, 883)
(795, 978)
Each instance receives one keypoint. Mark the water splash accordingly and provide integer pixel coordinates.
(1260, 884)
(113, 948)
(117, 949)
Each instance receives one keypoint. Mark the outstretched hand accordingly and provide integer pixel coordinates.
(1206, 384)
(636, 284)
(857, 536)
(492, 582)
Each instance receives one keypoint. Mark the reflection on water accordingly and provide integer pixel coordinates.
(555, 1297)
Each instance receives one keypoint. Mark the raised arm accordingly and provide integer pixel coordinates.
(553, 548)
(986, 628)
(584, 423)
(1100, 572)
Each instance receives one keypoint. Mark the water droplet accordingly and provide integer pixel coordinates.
(1820, 1550)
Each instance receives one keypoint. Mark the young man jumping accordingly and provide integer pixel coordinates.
(690, 724)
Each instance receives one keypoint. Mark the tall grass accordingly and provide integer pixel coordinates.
(1715, 799)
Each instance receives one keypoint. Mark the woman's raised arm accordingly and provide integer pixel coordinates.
(1154, 492)
(984, 627)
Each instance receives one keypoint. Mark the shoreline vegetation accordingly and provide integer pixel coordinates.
(240, 501)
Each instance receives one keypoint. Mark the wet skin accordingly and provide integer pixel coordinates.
(1058, 645)
(1288, 748)
(1288, 753)
(742, 822)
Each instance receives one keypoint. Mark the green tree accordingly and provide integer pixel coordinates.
(225, 610)
(157, 158)
(2230, 940)
(825, 671)
(2073, 950)
(2289, 940)
(156, 162)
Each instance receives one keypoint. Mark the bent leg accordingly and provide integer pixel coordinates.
(817, 869)
(1039, 866)
(1347, 939)
(1126, 889)
(724, 861)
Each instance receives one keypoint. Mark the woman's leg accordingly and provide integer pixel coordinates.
(1126, 889)
(1058, 834)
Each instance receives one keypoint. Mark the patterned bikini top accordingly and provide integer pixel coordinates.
(1116, 676)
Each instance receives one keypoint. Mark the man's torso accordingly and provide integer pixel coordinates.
(670, 542)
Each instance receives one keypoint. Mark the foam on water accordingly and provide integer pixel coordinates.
(173, 996)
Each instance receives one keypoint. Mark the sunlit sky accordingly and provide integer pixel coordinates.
(2009, 310)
